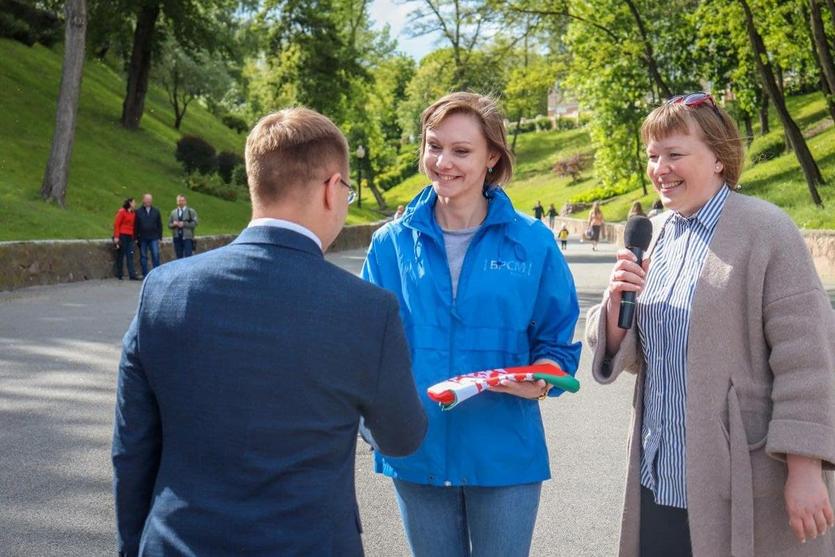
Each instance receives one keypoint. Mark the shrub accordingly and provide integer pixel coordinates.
(235, 123)
(239, 176)
(211, 184)
(28, 24)
(605, 192)
(572, 165)
(543, 123)
(404, 166)
(566, 124)
(767, 147)
(525, 126)
(227, 161)
(195, 154)
(584, 118)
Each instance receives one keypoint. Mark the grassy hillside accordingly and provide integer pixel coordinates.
(109, 163)
(779, 180)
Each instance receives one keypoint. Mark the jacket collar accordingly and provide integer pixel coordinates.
(278, 237)
(420, 213)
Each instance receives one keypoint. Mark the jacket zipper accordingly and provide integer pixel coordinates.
(453, 317)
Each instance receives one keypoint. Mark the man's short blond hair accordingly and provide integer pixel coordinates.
(288, 149)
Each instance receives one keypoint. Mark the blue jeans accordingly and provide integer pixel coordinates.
(468, 521)
(125, 253)
(182, 247)
(144, 247)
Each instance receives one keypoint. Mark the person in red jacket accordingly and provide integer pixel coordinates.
(123, 237)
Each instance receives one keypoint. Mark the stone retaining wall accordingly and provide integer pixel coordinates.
(41, 262)
(821, 243)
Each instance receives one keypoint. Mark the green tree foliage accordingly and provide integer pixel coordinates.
(611, 79)
(137, 28)
(307, 58)
(187, 76)
(462, 24)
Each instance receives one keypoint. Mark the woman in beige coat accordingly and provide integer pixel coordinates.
(733, 433)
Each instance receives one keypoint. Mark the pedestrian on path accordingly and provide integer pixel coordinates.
(148, 232)
(538, 211)
(636, 209)
(473, 487)
(124, 229)
(733, 435)
(552, 215)
(594, 224)
(182, 221)
(657, 208)
(563, 235)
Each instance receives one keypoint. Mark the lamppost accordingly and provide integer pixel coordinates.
(360, 153)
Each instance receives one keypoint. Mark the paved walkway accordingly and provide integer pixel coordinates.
(59, 350)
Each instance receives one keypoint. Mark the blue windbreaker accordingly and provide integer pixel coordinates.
(516, 303)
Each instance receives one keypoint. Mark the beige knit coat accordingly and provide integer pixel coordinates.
(760, 384)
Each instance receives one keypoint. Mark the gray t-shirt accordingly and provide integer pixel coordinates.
(456, 243)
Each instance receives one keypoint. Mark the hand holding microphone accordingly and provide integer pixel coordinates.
(628, 276)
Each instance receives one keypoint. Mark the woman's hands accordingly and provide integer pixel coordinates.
(527, 389)
(807, 499)
(524, 389)
(627, 276)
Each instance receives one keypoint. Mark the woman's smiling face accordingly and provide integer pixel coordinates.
(456, 157)
(683, 170)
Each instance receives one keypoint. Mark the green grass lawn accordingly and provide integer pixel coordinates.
(779, 180)
(109, 163)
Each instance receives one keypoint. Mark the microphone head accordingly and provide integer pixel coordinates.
(638, 233)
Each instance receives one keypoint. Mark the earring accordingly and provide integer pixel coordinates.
(489, 169)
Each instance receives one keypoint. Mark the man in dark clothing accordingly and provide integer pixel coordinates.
(148, 232)
(240, 388)
(538, 211)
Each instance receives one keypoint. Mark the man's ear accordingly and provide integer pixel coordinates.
(331, 194)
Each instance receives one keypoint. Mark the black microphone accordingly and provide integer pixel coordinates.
(637, 236)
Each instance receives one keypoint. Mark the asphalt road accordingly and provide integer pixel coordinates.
(59, 351)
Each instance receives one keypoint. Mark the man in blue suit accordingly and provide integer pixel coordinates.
(246, 371)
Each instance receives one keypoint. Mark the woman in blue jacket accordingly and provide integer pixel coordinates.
(480, 286)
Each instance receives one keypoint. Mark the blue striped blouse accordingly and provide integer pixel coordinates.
(663, 315)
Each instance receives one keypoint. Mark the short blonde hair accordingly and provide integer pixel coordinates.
(285, 150)
(719, 132)
(486, 111)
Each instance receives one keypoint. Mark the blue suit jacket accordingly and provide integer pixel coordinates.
(241, 385)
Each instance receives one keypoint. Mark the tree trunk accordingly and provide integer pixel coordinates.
(381, 202)
(801, 150)
(516, 133)
(824, 56)
(764, 127)
(140, 66)
(639, 163)
(54, 186)
(823, 82)
(781, 83)
(649, 55)
(749, 128)
(179, 115)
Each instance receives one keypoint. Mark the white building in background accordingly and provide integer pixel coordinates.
(561, 105)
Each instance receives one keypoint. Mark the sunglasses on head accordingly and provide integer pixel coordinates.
(694, 100)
